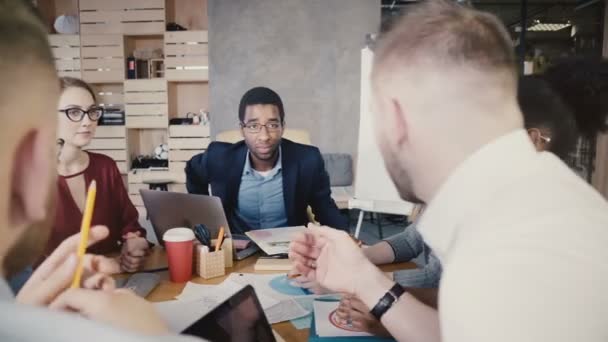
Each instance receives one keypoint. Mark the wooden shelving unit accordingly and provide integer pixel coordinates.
(186, 56)
(110, 32)
(103, 58)
(126, 17)
(66, 50)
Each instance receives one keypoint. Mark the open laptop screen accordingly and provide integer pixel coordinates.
(239, 319)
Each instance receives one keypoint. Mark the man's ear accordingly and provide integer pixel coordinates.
(33, 171)
(399, 122)
(538, 142)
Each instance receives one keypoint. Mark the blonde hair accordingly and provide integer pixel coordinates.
(443, 33)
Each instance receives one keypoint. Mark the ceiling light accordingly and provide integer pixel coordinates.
(538, 26)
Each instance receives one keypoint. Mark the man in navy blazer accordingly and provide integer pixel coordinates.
(265, 181)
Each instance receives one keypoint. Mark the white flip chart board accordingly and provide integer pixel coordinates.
(374, 189)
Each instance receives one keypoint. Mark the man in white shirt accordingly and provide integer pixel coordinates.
(28, 101)
(521, 238)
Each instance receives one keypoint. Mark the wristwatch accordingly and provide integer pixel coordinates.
(387, 301)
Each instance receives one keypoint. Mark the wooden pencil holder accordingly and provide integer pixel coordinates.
(210, 264)
(228, 249)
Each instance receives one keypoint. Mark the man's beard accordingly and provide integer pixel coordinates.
(32, 242)
(399, 175)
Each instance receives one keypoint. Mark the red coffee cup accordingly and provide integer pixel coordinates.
(179, 246)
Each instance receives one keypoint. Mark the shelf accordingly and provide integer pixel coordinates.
(191, 14)
(189, 131)
(137, 180)
(150, 47)
(110, 95)
(179, 158)
(186, 56)
(143, 176)
(144, 141)
(186, 141)
(111, 141)
(110, 32)
(146, 103)
(199, 144)
(133, 17)
(103, 58)
(178, 187)
(66, 52)
(51, 9)
(187, 97)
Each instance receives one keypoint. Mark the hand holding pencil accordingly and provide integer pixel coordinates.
(56, 273)
(85, 227)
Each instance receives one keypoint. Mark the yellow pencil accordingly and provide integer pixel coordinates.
(220, 239)
(84, 232)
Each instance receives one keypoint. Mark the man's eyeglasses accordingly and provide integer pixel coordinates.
(77, 114)
(254, 127)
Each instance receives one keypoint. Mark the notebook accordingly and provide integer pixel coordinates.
(273, 265)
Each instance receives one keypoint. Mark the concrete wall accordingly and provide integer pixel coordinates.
(308, 51)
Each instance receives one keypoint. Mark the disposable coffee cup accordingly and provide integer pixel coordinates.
(179, 244)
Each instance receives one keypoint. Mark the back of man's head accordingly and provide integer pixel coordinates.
(444, 83)
(449, 52)
(28, 98)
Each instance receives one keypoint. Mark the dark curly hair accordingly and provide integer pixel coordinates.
(261, 95)
(583, 85)
(543, 108)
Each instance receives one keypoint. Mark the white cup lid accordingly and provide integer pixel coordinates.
(178, 235)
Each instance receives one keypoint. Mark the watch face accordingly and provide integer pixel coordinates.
(386, 300)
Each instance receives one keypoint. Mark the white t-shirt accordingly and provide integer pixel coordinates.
(524, 246)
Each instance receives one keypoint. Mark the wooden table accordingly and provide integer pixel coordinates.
(167, 290)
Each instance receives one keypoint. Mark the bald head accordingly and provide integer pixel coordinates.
(28, 103)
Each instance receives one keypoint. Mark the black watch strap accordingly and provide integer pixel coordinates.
(387, 301)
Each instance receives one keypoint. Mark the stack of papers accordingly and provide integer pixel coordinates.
(196, 302)
(276, 296)
(275, 240)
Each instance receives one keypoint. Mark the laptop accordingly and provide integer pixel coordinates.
(239, 319)
(168, 210)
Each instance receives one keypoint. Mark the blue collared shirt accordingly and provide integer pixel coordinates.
(260, 202)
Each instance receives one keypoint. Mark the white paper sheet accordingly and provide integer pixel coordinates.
(180, 314)
(224, 290)
(197, 300)
(194, 290)
(286, 310)
(274, 240)
(275, 285)
(324, 327)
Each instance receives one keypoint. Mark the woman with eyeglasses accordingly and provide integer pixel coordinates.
(78, 117)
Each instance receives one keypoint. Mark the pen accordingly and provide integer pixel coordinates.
(275, 256)
(279, 243)
(85, 227)
(220, 239)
